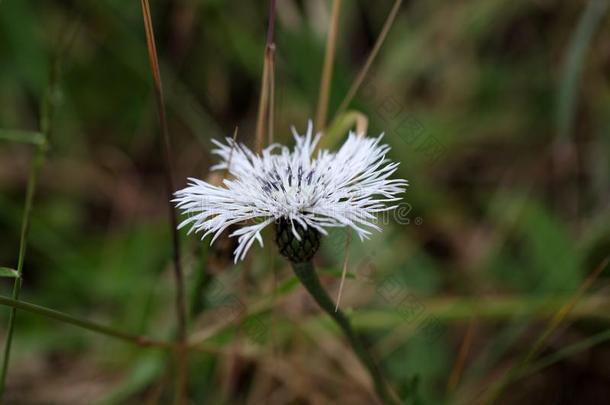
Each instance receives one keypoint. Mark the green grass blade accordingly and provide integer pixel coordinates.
(35, 166)
(25, 225)
(28, 137)
(83, 323)
(8, 272)
(589, 22)
(567, 352)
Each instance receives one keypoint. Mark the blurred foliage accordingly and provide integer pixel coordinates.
(506, 146)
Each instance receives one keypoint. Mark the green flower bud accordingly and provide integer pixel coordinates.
(297, 251)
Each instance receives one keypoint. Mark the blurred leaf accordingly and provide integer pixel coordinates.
(287, 286)
(20, 42)
(337, 132)
(552, 253)
(539, 254)
(425, 358)
(146, 369)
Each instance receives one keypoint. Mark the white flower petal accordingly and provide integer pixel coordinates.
(346, 188)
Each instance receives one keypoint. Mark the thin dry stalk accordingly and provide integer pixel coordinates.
(270, 56)
(268, 68)
(169, 185)
(369, 61)
(262, 107)
(563, 312)
(344, 271)
(456, 372)
(552, 326)
(327, 70)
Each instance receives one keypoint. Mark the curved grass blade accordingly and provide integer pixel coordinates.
(8, 272)
(28, 137)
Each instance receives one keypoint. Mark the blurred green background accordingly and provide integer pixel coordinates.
(497, 110)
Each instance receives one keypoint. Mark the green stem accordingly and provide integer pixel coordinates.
(36, 165)
(41, 151)
(202, 280)
(306, 273)
(41, 140)
(83, 323)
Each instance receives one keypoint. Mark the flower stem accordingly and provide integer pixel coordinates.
(306, 273)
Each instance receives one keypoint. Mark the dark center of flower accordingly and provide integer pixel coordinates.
(297, 251)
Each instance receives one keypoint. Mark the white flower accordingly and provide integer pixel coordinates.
(339, 189)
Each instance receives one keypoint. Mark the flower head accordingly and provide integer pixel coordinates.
(346, 188)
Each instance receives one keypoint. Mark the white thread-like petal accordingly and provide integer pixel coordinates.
(339, 189)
